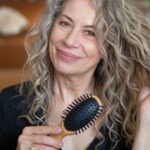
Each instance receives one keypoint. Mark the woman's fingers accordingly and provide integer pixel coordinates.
(24, 143)
(43, 147)
(40, 140)
(46, 140)
(40, 137)
(46, 130)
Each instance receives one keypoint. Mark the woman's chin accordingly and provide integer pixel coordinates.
(64, 71)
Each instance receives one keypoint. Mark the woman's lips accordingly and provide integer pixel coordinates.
(68, 57)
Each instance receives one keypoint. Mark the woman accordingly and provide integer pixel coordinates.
(91, 46)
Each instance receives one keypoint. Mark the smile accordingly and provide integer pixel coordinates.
(68, 57)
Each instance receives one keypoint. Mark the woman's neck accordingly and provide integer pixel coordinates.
(69, 88)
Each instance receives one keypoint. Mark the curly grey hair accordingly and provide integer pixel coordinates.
(122, 71)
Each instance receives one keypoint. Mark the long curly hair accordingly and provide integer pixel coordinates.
(123, 37)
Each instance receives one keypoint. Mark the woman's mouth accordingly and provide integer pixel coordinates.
(66, 56)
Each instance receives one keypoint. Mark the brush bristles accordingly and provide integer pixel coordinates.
(74, 104)
(88, 110)
(91, 122)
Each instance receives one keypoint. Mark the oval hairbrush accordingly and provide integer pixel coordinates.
(80, 115)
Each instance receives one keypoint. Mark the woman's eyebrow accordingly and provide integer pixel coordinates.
(63, 15)
(89, 26)
(71, 20)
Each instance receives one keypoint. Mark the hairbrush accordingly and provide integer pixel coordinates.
(80, 115)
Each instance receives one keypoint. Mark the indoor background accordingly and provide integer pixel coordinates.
(12, 33)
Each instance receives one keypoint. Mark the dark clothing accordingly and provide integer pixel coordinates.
(11, 106)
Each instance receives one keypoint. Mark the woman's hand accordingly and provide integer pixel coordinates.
(143, 121)
(39, 137)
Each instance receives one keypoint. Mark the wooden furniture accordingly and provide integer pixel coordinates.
(12, 51)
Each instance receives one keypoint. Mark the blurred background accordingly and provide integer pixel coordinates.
(16, 17)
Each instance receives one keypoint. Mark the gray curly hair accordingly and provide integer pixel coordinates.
(122, 71)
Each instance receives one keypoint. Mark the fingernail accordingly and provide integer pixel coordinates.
(61, 144)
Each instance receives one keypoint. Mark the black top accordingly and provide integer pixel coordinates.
(11, 107)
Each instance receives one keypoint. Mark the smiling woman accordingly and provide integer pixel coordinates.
(77, 47)
(74, 48)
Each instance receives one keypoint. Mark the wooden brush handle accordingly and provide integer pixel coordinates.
(64, 132)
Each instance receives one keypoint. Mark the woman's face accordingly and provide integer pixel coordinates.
(73, 49)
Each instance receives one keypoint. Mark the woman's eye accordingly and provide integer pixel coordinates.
(64, 23)
(90, 33)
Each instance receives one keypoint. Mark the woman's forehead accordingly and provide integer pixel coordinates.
(80, 10)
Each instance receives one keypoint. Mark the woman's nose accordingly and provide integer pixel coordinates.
(72, 39)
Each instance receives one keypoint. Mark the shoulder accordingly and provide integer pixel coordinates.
(9, 92)
(11, 107)
(12, 103)
(10, 96)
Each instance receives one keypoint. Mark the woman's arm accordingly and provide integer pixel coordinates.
(142, 139)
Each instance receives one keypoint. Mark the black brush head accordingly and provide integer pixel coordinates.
(82, 113)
